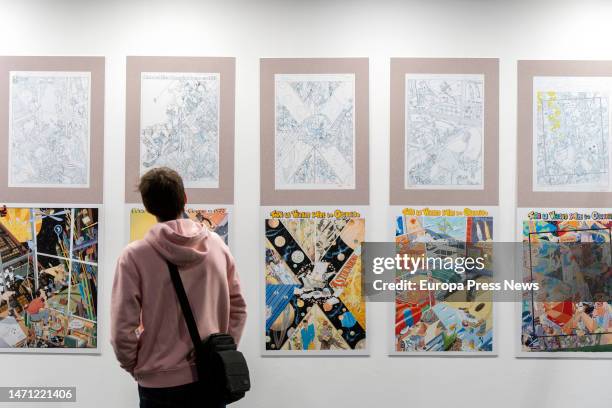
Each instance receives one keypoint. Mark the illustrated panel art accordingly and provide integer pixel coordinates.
(315, 131)
(180, 115)
(52, 130)
(571, 260)
(314, 299)
(49, 124)
(444, 131)
(216, 220)
(572, 134)
(48, 279)
(179, 125)
(564, 142)
(428, 321)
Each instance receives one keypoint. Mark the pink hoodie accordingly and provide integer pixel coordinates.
(148, 331)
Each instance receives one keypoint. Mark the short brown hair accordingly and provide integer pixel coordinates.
(163, 193)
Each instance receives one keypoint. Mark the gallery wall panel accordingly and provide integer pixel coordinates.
(51, 129)
(49, 280)
(314, 131)
(434, 322)
(180, 114)
(313, 303)
(444, 131)
(567, 160)
(566, 250)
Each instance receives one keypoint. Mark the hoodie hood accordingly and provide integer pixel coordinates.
(181, 241)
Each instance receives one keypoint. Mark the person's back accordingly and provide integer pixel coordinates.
(148, 331)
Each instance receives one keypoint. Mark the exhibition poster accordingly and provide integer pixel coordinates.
(313, 297)
(568, 253)
(431, 320)
(49, 279)
(216, 220)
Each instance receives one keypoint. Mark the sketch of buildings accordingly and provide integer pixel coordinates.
(179, 125)
(315, 131)
(49, 130)
(444, 131)
(572, 141)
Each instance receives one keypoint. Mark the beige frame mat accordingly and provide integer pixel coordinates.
(526, 197)
(269, 67)
(398, 193)
(88, 195)
(226, 67)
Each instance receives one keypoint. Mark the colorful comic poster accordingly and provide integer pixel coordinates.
(216, 220)
(569, 255)
(431, 321)
(313, 273)
(48, 278)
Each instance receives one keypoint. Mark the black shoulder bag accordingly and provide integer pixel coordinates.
(222, 370)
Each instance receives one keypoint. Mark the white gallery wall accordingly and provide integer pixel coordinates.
(378, 29)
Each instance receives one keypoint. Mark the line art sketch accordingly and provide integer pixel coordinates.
(49, 129)
(572, 141)
(444, 133)
(314, 131)
(179, 125)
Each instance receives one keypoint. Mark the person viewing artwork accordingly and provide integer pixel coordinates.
(148, 332)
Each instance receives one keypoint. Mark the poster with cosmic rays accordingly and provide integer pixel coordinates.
(313, 273)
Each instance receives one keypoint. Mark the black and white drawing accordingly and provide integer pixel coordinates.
(49, 129)
(314, 131)
(444, 133)
(179, 126)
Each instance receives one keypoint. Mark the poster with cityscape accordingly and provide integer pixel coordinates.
(569, 255)
(438, 322)
(49, 279)
(313, 296)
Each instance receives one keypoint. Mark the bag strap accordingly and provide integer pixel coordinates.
(184, 302)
